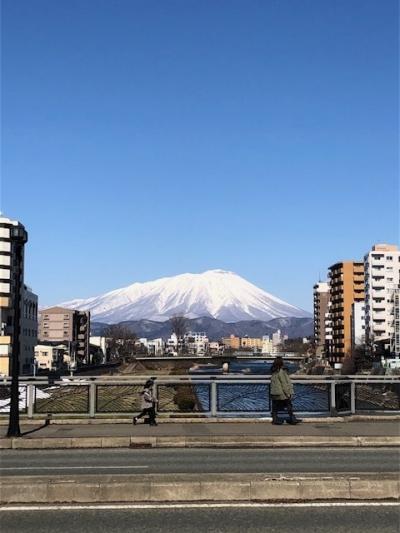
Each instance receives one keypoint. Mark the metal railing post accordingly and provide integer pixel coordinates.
(30, 399)
(92, 400)
(213, 398)
(333, 399)
(353, 397)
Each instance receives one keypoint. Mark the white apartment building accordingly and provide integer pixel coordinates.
(395, 339)
(382, 281)
(216, 348)
(357, 324)
(155, 347)
(171, 345)
(11, 274)
(277, 338)
(101, 343)
(196, 343)
(328, 329)
(49, 357)
(268, 346)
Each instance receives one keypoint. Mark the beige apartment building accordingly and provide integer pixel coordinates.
(232, 342)
(346, 286)
(321, 302)
(11, 274)
(251, 342)
(236, 343)
(61, 325)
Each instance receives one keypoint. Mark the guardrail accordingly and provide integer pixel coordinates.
(205, 396)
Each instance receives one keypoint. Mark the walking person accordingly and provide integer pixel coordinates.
(148, 404)
(281, 392)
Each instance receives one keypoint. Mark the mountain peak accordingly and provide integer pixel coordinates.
(219, 271)
(217, 293)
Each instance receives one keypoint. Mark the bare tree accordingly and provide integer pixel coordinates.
(121, 342)
(362, 357)
(179, 327)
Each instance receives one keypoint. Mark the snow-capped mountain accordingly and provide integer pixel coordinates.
(215, 293)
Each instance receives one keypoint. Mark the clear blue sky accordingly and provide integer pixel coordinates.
(144, 139)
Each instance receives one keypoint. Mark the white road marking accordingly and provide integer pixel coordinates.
(68, 467)
(192, 506)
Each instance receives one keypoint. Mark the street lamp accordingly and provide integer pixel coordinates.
(19, 237)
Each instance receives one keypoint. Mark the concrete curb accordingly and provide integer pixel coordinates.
(199, 487)
(211, 441)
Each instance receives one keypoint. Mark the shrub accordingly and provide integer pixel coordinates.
(185, 399)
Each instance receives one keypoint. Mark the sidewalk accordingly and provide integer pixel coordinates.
(224, 434)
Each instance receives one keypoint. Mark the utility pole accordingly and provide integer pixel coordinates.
(19, 237)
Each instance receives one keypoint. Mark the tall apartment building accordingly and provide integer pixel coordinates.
(60, 325)
(321, 301)
(346, 286)
(29, 330)
(382, 282)
(395, 339)
(328, 330)
(11, 278)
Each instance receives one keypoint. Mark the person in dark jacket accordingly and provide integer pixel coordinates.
(148, 404)
(281, 392)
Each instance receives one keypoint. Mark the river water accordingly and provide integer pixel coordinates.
(254, 397)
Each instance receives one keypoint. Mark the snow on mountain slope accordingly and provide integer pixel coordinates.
(216, 293)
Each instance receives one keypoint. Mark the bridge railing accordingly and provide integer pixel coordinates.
(202, 396)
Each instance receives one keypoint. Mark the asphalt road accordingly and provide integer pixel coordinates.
(160, 461)
(233, 519)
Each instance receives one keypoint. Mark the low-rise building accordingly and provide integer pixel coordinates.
(101, 343)
(155, 347)
(254, 343)
(58, 324)
(171, 345)
(196, 343)
(49, 357)
(278, 338)
(216, 348)
(268, 346)
(232, 342)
